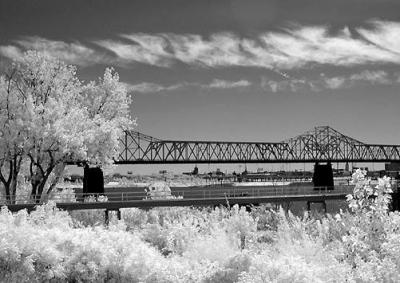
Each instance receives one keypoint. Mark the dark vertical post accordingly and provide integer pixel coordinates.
(93, 181)
(119, 214)
(323, 176)
(85, 180)
(106, 217)
(308, 205)
(395, 203)
(324, 205)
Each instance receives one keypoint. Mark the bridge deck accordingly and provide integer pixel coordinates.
(112, 205)
(189, 197)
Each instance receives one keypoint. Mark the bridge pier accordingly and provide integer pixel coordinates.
(392, 169)
(323, 176)
(93, 180)
(107, 215)
(316, 201)
(395, 203)
(286, 206)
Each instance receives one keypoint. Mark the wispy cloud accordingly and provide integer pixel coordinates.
(148, 87)
(373, 77)
(73, 52)
(291, 85)
(288, 84)
(290, 48)
(333, 83)
(293, 47)
(385, 35)
(142, 48)
(11, 51)
(376, 77)
(227, 84)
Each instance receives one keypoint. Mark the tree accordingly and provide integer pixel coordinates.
(12, 129)
(64, 120)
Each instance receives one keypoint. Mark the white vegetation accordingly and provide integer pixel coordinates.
(49, 117)
(209, 245)
(159, 190)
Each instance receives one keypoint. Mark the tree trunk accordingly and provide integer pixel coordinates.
(34, 194)
(37, 190)
(13, 189)
(58, 171)
(6, 183)
(10, 184)
(38, 182)
(14, 177)
(7, 191)
(40, 189)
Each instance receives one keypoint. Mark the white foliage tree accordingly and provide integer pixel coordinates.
(12, 133)
(64, 120)
(107, 105)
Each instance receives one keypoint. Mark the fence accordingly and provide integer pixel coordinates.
(183, 193)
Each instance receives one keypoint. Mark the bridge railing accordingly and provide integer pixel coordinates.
(184, 193)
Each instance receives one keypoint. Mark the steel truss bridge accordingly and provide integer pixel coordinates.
(317, 145)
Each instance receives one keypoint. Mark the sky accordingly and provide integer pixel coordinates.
(255, 70)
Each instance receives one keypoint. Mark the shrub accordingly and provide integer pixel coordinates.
(205, 245)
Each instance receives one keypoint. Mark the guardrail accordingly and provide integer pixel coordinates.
(184, 193)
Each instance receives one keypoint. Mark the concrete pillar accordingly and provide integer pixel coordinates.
(106, 217)
(93, 181)
(323, 202)
(323, 175)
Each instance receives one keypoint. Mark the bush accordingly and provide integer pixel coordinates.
(205, 245)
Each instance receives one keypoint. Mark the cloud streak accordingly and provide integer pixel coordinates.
(376, 77)
(290, 48)
(148, 87)
(289, 84)
(73, 53)
(294, 47)
(227, 84)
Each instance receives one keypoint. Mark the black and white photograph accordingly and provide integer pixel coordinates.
(187, 141)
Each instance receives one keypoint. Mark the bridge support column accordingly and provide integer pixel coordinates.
(323, 176)
(319, 201)
(286, 206)
(392, 170)
(93, 181)
(346, 168)
(107, 215)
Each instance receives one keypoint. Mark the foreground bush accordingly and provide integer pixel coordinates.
(205, 245)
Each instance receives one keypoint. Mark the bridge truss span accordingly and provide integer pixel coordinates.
(318, 145)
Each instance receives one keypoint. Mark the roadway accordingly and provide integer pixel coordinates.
(123, 197)
(216, 190)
